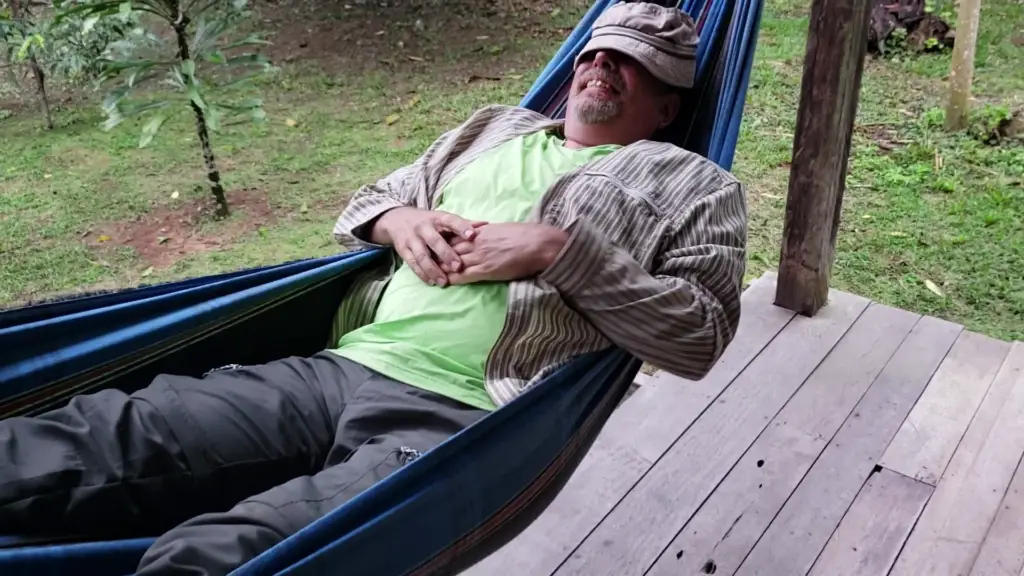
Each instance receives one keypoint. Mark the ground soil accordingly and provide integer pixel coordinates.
(400, 36)
(163, 235)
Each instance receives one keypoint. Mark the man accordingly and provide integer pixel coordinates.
(521, 242)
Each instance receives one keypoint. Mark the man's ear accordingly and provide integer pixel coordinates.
(669, 109)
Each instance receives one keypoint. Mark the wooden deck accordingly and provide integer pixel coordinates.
(866, 440)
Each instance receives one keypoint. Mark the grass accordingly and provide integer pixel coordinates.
(921, 204)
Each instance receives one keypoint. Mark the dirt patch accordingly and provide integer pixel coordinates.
(444, 37)
(164, 235)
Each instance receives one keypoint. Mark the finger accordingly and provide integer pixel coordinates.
(458, 225)
(446, 256)
(473, 259)
(469, 275)
(421, 255)
(410, 260)
(462, 247)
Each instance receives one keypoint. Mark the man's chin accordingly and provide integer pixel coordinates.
(596, 113)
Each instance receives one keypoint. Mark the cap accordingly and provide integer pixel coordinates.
(662, 39)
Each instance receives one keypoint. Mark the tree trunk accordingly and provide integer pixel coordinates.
(211, 165)
(37, 71)
(10, 71)
(212, 174)
(40, 77)
(962, 70)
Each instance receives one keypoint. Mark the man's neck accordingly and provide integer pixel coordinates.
(579, 139)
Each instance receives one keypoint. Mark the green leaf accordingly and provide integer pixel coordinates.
(113, 97)
(250, 40)
(196, 97)
(188, 68)
(90, 23)
(243, 106)
(247, 59)
(216, 57)
(150, 129)
(112, 120)
(213, 116)
(125, 8)
(243, 78)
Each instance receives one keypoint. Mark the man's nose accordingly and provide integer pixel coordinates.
(604, 60)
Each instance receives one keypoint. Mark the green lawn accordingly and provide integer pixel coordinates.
(81, 208)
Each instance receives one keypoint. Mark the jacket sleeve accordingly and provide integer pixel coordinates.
(681, 317)
(409, 185)
(397, 189)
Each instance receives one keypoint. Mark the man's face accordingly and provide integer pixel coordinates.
(610, 87)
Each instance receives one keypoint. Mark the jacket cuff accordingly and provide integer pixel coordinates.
(353, 227)
(580, 260)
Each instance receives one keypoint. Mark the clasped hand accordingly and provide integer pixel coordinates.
(444, 249)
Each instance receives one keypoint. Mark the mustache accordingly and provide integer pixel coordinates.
(612, 80)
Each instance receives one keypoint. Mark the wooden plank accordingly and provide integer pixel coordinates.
(630, 539)
(1002, 552)
(833, 67)
(636, 435)
(871, 534)
(949, 535)
(728, 525)
(926, 441)
(797, 535)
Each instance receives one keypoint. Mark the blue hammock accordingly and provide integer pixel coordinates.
(446, 509)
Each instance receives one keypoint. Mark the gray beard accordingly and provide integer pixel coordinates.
(594, 111)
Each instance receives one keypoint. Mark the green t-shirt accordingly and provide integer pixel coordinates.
(439, 338)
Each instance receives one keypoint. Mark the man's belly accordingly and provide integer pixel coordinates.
(430, 336)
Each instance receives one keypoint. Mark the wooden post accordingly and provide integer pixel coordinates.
(833, 67)
(961, 73)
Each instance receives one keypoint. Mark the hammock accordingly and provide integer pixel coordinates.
(445, 510)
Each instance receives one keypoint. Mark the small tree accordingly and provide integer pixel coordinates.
(199, 47)
(22, 38)
(68, 50)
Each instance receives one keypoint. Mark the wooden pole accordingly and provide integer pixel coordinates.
(961, 74)
(833, 66)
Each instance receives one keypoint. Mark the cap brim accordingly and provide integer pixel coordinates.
(672, 70)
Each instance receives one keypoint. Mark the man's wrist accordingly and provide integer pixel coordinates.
(553, 242)
(379, 233)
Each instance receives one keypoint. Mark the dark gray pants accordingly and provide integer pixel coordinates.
(230, 464)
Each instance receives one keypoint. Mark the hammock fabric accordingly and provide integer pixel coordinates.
(443, 511)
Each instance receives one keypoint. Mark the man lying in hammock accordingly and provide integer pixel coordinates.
(521, 242)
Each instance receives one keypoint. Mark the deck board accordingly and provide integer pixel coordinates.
(951, 529)
(732, 520)
(636, 435)
(1002, 552)
(864, 440)
(871, 534)
(926, 441)
(632, 536)
(800, 531)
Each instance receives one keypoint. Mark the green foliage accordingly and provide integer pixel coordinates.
(77, 44)
(69, 49)
(199, 67)
(984, 122)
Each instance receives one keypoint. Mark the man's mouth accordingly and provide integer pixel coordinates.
(600, 85)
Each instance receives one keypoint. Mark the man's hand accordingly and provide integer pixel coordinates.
(422, 238)
(507, 251)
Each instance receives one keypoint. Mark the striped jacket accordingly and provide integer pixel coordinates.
(654, 262)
